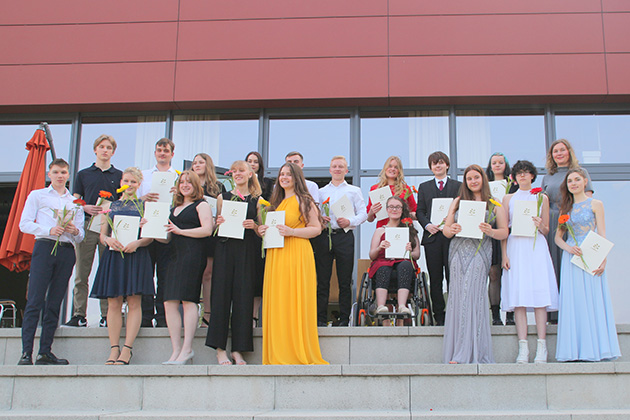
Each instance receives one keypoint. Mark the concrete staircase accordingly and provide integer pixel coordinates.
(375, 373)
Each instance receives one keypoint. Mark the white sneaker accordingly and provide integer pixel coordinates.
(382, 309)
(541, 352)
(523, 352)
(404, 310)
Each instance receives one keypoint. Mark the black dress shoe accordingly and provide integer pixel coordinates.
(49, 359)
(26, 359)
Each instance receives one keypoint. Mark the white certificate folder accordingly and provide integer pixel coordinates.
(397, 238)
(595, 249)
(343, 208)
(272, 238)
(156, 215)
(161, 183)
(234, 213)
(522, 222)
(380, 195)
(439, 209)
(126, 229)
(471, 214)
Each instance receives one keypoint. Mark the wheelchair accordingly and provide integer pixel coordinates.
(418, 302)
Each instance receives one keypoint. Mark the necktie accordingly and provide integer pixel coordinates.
(441, 185)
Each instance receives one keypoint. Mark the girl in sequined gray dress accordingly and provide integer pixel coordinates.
(467, 337)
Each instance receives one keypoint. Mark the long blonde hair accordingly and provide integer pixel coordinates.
(399, 183)
(253, 186)
(551, 165)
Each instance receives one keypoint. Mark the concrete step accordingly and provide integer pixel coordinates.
(320, 415)
(423, 389)
(341, 346)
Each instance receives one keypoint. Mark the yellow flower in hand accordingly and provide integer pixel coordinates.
(264, 202)
(495, 202)
(122, 188)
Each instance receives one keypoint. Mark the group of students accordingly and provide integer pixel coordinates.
(232, 277)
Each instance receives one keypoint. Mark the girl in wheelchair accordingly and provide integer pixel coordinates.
(381, 268)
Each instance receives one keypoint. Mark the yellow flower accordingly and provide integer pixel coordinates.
(178, 172)
(496, 203)
(122, 188)
(264, 202)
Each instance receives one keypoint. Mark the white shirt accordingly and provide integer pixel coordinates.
(313, 190)
(38, 216)
(147, 177)
(354, 194)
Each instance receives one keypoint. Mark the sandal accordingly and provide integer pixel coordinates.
(205, 321)
(113, 361)
(226, 361)
(238, 358)
(119, 361)
(255, 320)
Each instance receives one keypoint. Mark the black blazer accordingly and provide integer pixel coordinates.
(427, 191)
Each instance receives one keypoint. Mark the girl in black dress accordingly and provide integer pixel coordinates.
(235, 271)
(189, 224)
(204, 167)
(121, 278)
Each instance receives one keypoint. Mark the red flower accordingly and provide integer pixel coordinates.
(407, 221)
(536, 191)
(79, 202)
(104, 194)
(563, 219)
(326, 201)
(414, 189)
(227, 173)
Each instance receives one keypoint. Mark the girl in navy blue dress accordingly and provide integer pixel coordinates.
(121, 278)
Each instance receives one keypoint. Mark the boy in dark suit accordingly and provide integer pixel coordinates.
(435, 244)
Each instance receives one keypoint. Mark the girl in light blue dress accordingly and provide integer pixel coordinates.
(586, 326)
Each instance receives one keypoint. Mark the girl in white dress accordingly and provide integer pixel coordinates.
(528, 279)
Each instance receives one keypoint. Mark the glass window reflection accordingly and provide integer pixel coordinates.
(482, 133)
(135, 139)
(411, 135)
(14, 138)
(596, 138)
(317, 139)
(225, 138)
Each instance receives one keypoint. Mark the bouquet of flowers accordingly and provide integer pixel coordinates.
(64, 217)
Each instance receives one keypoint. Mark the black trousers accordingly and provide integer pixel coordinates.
(232, 297)
(342, 251)
(48, 284)
(436, 254)
(153, 306)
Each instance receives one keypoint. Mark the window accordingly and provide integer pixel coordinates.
(317, 139)
(411, 135)
(482, 133)
(226, 138)
(135, 139)
(15, 136)
(596, 138)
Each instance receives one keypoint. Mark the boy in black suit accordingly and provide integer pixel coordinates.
(435, 244)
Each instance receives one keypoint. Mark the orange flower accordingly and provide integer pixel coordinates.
(326, 201)
(104, 194)
(563, 219)
(414, 189)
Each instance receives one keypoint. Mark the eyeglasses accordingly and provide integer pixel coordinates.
(397, 208)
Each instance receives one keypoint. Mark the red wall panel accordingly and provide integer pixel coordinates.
(87, 43)
(256, 9)
(81, 11)
(616, 5)
(618, 66)
(464, 7)
(617, 32)
(282, 38)
(521, 75)
(87, 83)
(496, 34)
(281, 79)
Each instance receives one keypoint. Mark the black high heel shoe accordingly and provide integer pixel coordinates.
(112, 361)
(119, 361)
(203, 319)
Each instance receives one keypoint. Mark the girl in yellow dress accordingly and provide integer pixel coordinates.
(290, 287)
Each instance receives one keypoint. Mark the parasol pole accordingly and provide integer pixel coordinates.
(44, 126)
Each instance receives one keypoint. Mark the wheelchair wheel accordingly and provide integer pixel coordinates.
(425, 318)
(362, 318)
